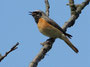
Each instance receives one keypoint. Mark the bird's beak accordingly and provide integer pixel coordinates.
(30, 13)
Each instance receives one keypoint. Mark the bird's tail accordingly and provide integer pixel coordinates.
(70, 44)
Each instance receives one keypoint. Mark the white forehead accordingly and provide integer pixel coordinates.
(38, 10)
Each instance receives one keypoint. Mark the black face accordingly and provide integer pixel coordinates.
(36, 15)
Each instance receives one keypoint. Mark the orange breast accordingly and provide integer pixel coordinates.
(48, 30)
(42, 24)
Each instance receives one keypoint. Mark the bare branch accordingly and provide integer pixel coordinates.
(47, 45)
(47, 7)
(12, 49)
(75, 15)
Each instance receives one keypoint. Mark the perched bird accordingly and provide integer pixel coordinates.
(50, 28)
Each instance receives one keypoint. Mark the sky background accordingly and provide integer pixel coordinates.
(16, 25)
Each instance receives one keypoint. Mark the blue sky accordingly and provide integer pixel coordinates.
(17, 26)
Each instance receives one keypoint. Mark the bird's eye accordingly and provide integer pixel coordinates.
(39, 14)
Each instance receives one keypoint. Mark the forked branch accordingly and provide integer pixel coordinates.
(47, 45)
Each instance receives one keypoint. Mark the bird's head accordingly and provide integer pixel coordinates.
(37, 14)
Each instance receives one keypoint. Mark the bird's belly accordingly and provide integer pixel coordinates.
(48, 30)
(50, 33)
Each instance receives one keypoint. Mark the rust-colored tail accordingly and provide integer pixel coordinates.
(70, 44)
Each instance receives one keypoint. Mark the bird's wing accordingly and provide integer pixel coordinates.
(50, 21)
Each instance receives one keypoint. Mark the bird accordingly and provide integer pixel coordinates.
(51, 29)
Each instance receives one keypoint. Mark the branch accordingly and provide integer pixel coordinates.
(12, 49)
(47, 45)
(75, 14)
(47, 7)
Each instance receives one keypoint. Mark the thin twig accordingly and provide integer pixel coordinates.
(47, 7)
(12, 49)
(72, 6)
